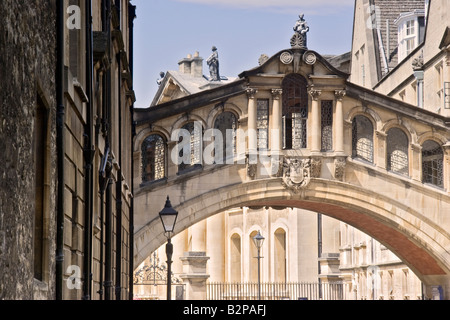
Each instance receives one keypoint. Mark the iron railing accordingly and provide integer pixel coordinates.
(275, 291)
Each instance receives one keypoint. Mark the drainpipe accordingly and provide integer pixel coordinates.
(108, 195)
(104, 177)
(119, 172)
(119, 183)
(108, 240)
(131, 17)
(89, 153)
(60, 113)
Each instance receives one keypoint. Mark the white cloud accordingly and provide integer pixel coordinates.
(305, 6)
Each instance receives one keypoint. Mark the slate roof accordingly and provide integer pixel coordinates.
(390, 11)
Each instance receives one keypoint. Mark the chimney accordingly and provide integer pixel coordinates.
(185, 64)
(192, 65)
(197, 66)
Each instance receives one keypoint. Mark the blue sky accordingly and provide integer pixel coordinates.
(166, 31)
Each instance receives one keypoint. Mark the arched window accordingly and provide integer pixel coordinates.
(432, 163)
(193, 147)
(235, 258)
(362, 138)
(280, 255)
(397, 151)
(295, 112)
(153, 158)
(226, 123)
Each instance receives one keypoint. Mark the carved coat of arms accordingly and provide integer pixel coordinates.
(296, 173)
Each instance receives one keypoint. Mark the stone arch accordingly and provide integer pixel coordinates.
(403, 125)
(431, 135)
(143, 134)
(369, 113)
(186, 118)
(227, 107)
(418, 241)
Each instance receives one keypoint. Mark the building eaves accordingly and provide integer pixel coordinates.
(400, 107)
(191, 102)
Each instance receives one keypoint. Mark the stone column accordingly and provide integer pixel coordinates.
(380, 149)
(339, 122)
(315, 121)
(415, 162)
(252, 136)
(276, 120)
(446, 168)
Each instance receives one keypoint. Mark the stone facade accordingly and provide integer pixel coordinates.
(27, 77)
(63, 122)
(335, 171)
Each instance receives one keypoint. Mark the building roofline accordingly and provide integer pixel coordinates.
(400, 107)
(185, 104)
(257, 70)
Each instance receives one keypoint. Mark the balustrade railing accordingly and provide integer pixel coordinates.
(275, 291)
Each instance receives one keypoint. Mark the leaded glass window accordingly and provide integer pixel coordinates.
(432, 163)
(262, 124)
(327, 125)
(194, 148)
(295, 112)
(362, 138)
(397, 151)
(227, 124)
(153, 158)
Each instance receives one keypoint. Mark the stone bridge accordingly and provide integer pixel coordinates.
(294, 132)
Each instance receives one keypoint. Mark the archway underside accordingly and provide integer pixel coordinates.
(420, 245)
(417, 258)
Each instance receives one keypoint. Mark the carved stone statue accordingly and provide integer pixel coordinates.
(213, 63)
(301, 28)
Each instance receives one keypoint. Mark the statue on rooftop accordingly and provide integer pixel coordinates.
(301, 28)
(213, 63)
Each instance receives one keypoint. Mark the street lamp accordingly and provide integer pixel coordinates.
(258, 240)
(168, 217)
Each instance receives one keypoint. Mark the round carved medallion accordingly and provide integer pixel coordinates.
(309, 58)
(286, 57)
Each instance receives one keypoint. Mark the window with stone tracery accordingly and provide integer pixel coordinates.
(295, 112)
(397, 151)
(432, 163)
(227, 124)
(362, 138)
(153, 158)
(327, 125)
(193, 148)
(262, 124)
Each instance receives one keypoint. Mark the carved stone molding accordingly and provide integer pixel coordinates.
(252, 166)
(296, 173)
(251, 170)
(340, 94)
(276, 93)
(277, 168)
(316, 167)
(314, 93)
(339, 168)
(310, 58)
(251, 92)
(286, 57)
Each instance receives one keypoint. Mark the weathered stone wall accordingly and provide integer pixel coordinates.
(27, 64)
